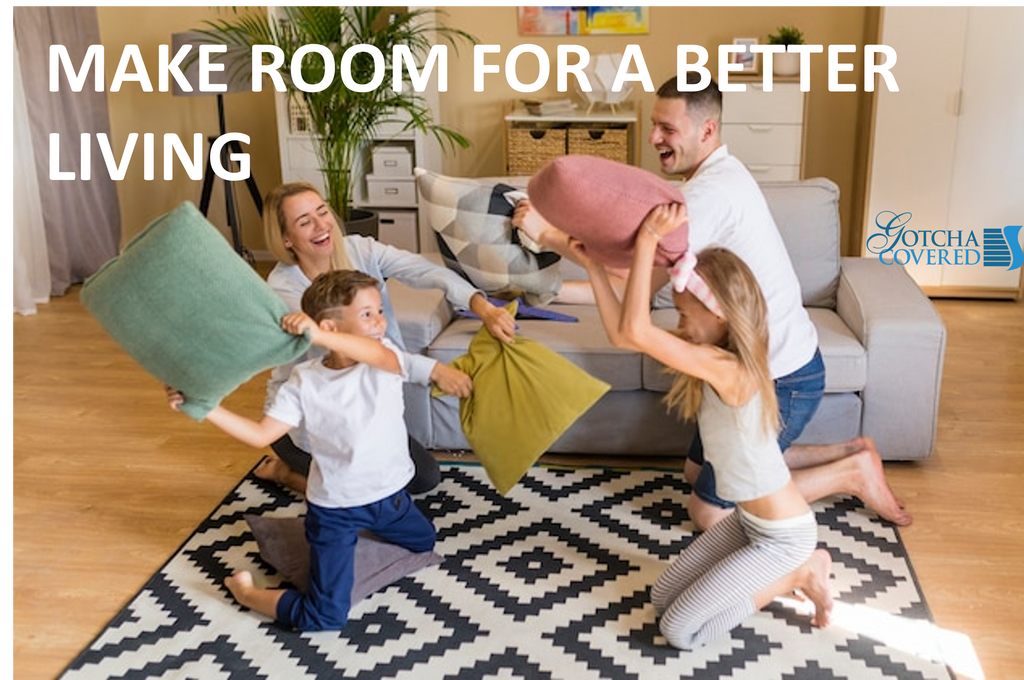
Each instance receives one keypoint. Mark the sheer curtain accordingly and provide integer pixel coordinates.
(81, 219)
(31, 263)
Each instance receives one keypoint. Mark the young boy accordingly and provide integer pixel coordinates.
(351, 404)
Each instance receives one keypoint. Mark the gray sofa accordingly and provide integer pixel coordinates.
(881, 339)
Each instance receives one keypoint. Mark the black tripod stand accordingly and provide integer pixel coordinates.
(230, 207)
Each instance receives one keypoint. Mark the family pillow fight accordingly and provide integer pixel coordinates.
(323, 323)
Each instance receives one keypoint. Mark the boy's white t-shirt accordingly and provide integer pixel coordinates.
(353, 418)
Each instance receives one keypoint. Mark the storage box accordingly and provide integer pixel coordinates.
(392, 160)
(399, 228)
(603, 142)
(529, 148)
(397, 191)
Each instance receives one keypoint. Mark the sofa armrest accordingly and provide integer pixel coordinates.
(905, 340)
(421, 314)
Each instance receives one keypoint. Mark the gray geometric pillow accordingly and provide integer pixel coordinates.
(472, 222)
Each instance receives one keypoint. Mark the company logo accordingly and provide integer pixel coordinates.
(896, 243)
(1002, 248)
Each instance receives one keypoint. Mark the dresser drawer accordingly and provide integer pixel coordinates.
(763, 144)
(775, 173)
(784, 104)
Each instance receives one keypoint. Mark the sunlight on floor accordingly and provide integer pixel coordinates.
(922, 639)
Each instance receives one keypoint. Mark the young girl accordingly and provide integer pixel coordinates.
(720, 348)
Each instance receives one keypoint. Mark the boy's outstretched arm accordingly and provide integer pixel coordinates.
(255, 434)
(362, 349)
(451, 380)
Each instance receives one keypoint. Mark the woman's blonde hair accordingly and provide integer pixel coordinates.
(274, 225)
(746, 314)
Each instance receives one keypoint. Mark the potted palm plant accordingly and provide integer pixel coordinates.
(343, 121)
(787, 63)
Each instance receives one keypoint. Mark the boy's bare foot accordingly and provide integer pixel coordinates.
(813, 584)
(245, 591)
(273, 469)
(240, 584)
(873, 488)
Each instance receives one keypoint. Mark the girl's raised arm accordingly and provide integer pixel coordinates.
(706, 362)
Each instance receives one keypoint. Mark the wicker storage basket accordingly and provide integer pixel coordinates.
(610, 143)
(530, 148)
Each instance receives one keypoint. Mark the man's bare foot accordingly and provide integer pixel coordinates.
(273, 469)
(873, 488)
(813, 584)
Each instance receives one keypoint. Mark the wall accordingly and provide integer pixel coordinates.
(132, 110)
(834, 119)
(835, 125)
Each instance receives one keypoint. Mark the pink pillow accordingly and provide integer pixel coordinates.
(603, 203)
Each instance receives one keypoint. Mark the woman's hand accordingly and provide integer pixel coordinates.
(297, 323)
(498, 321)
(451, 380)
(519, 212)
(174, 398)
(662, 220)
(536, 233)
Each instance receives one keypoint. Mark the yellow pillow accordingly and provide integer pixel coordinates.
(524, 397)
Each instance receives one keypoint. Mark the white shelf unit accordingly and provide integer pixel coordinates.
(394, 198)
(765, 130)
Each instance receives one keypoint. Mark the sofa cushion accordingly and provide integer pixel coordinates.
(422, 313)
(603, 203)
(807, 215)
(583, 343)
(845, 358)
(472, 222)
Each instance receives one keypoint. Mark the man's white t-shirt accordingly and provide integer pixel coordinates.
(726, 208)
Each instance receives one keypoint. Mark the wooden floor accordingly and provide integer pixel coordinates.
(108, 482)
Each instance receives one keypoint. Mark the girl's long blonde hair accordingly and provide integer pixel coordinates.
(274, 225)
(746, 313)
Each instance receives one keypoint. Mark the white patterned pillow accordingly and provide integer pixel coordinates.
(472, 221)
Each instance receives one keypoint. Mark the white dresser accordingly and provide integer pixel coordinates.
(765, 130)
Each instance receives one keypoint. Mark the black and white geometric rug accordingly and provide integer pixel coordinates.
(550, 582)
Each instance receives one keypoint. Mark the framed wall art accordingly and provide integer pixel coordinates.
(543, 20)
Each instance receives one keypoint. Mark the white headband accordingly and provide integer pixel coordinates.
(685, 278)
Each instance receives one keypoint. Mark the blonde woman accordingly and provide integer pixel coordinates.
(768, 546)
(305, 236)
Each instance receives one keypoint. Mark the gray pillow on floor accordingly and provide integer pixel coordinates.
(283, 545)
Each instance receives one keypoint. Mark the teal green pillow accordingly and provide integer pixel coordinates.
(190, 311)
